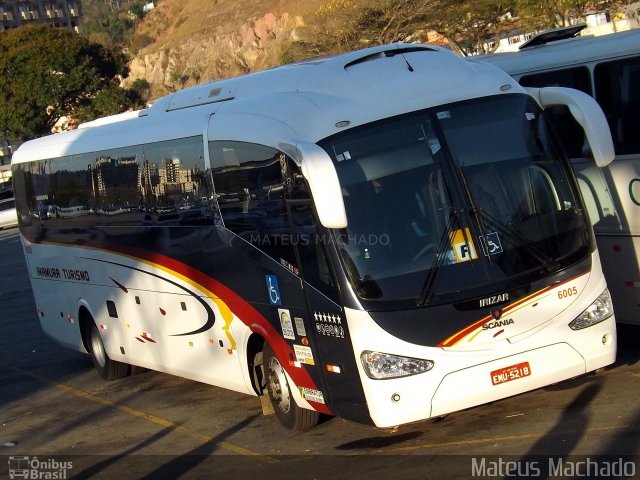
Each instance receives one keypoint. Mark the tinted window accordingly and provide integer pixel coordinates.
(311, 245)
(32, 190)
(163, 183)
(569, 131)
(174, 184)
(249, 187)
(409, 183)
(263, 198)
(618, 92)
(173, 172)
(97, 188)
(596, 193)
(115, 178)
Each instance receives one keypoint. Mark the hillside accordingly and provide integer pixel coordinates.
(183, 42)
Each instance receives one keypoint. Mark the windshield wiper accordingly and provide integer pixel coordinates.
(549, 263)
(477, 212)
(426, 293)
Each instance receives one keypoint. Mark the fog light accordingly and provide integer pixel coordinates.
(395, 398)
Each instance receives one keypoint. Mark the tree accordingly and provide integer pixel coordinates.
(112, 22)
(137, 9)
(470, 24)
(46, 73)
(542, 14)
(113, 30)
(350, 24)
(343, 25)
(110, 100)
(116, 5)
(142, 87)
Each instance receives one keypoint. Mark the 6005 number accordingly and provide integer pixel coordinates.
(567, 292)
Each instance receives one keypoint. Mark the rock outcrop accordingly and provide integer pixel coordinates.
(216, 53)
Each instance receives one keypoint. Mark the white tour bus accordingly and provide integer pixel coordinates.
(607, 68)
(386, 235)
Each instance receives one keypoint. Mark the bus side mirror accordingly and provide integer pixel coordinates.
(323, 181)
(587, 113)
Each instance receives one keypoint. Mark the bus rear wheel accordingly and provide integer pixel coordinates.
(288, 412)
(107, 368)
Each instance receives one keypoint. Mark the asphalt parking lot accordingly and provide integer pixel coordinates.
(151, 425)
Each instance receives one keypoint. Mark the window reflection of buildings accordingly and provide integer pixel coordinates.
(112, 182)
(150, 180)
(174, 179)
(116, 180)
(68, 188)
(124, 181)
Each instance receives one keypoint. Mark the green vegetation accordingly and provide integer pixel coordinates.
(341, 25)
(112, 22)
(47, 73)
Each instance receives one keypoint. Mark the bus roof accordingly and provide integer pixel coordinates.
(306, 101)
(566, 53)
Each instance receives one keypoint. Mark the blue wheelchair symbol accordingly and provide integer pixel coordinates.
(493, 242)
(273, 290)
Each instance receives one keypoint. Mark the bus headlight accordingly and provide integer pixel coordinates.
(599, 310)
(384, 365)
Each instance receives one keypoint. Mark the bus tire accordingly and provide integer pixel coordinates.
(107, 368)
(288, 412)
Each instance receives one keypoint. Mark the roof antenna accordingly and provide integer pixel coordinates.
(407, 62)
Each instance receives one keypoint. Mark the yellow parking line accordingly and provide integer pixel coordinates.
(145, 416)
(263, 458)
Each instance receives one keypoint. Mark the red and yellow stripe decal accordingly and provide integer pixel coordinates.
(227, 301)
(457, 338)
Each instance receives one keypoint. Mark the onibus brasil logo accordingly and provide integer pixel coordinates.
(36, 469)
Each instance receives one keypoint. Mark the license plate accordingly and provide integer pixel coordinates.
(513, 372)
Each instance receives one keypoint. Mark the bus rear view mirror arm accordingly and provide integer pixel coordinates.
(323, 181)
(587, 113)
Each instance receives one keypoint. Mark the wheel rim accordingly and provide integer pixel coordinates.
(278, 385)
(97, 348)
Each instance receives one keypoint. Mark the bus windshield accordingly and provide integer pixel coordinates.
(456, 201)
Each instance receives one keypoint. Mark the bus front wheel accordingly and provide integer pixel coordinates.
(107, 368)
(288, 412)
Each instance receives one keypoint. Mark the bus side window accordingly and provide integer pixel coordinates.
(248, 183)
(23, 200)
(173, 184)
(618, 93)
(569, 131)
(310, 244)
(69, 193)
(543, 190)
(33, 179)
(597, 198)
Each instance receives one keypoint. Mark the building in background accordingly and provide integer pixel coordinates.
(595, 23)
(6, 150)
(57, 13)
(16, 13)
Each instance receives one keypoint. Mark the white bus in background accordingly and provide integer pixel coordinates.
(387, 236)
(607, 68)
(69, 212)
(8, 215)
